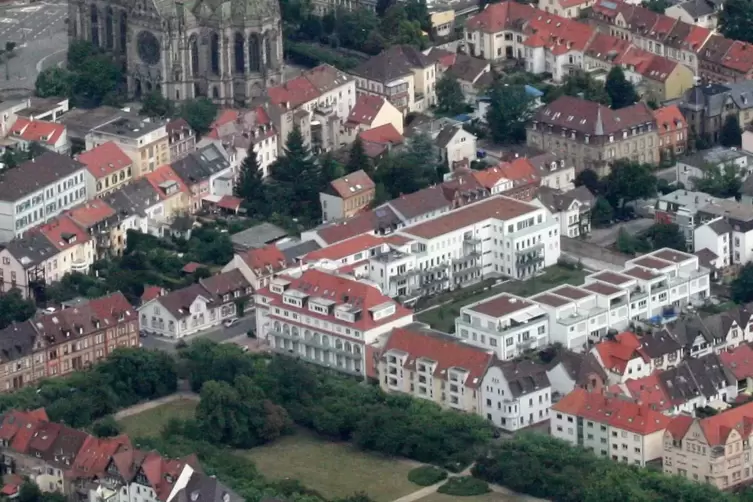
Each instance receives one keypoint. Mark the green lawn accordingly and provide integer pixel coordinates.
(488, 497)
(333, 469)
(151, 422)
(443, 318)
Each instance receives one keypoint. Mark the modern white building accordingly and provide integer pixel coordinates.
(715, 236)
(39, 189)
(505, 324)
(728, 222)
(515, 395)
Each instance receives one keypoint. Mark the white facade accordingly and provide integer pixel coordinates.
(705, 20)
(511, 410)
(704, 237)
(505, 324)
(462, 146)
(203, 313)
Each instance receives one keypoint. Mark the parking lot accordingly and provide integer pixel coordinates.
(41, 38)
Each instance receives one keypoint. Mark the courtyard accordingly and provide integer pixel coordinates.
(151, 422)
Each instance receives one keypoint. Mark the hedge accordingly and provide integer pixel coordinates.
(427, 475)
(464, 486)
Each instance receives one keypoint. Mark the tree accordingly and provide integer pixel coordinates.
(450, 98)
(330, 168)
(199, 113)
(510, 108)
(357, 159)
(602, 212)
(629, 181)
(155, 105)
(741, 288)
(658, 6)
(106, 427)
(579, 84)
(589, 179)
(53, 82)
(354, 27)
(666, 235)
(620, 89)
(250, 186)
(13, 308)
(736, 19)
(731, 134)
(723, 181)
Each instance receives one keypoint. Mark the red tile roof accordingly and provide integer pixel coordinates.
(739, 57)
(293, 93)
(366, 109)
(105, 159)
(384, 134)
(165, 174)
(447, 351)
(90, 213)
(668, 118)
(352, 185)
(266, 260)
(498, 17)
(489, 177)
(558, 34)
(616, 412)
(717, 428)
(606, 47)
(18, 427)
(95, 454)
(650, 391)
(162, 473)
(739, 361)
(615, 354)
(520, 172)
(229, 202)
(63, 233)
(501, 208)
(192, 267)
(342, 290)
(345, 248)
(649, 65)
(151, 292)
(696, 38)
(37, 130)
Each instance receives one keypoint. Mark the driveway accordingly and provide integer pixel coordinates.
(219, 334)
(605, 237)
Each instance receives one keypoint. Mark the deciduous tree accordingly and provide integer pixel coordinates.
(450, 99)
(602, 212)
(742, 286)
(155, 105)
(620, 89)
(357, 159)
(666, 235)
(629, 181)
(736, 19)
(731, 133)
(589, 179)
(199, 113)
(510, 108)
(723, 181)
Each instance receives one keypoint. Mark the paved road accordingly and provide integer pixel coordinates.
(219, 334)
(40, 32)
(607, 236)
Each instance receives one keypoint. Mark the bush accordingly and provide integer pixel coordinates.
(426, 475)
(464, 486)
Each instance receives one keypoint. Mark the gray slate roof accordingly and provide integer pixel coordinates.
(134, 198)
(201, 164)
(713, 96)
(204, 488)
(392, 63)
(697, 8)
(34, 175)
(694, 377)
(16, 341)
(720, 226)
(524, 377)
(258, 236)
(557, 200)
(579, 366)
(31, 249)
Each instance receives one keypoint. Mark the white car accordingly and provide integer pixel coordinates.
(230, 322)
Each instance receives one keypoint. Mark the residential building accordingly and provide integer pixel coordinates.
(103, 224)
(665, 350)
(566, 8)
(38, 190)
(71, 339)
(699, 336)
(400, 74)
(570, 370)
(515, 394)
(80, 121)
(681, 207)
(181, 138)
(473, 74)
(739, 362)
(735, 229)
(496, 32)
(241, 130)
(656, 78)
(27, 264)
(554, 171)
(615, 428)
(50, 135)
(623, 358)
(710, 450)
(518, 179)
(379, 141)
(701, 13)
(109, 166)
(258, 236)
(318, 101)
(428, 364)
(175, 195)
(707, 106)
(200, 306)
(371, 111)
(505, 324)
(326, 319)
(206, 172)
(593, 136)
(715, 236)
(456, 146)
(673, 132)
(144, 140)
(697, 165)
(571, 209)
(141, 208)
(50, 109)
(347, 196)
(259, 265)
(697, 383)
(76, 250)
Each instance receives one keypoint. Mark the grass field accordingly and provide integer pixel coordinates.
(333, 469)
(151, 422)
(443, 318)
(489, 497)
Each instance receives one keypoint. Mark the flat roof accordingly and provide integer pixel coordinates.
(502, 305)
(130, 127)
(603, 289)
(650, 262)
(551, 300)
(641, 273)
(612, 278)
(570, 292)
(672, 255)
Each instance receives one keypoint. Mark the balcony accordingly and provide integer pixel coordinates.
(79, 265)
(472, 256)
(471, 240)
(527, 259)
(534, 248)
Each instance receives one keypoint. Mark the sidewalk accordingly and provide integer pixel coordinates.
(138, 408)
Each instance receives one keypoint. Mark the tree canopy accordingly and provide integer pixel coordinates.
(199, 113)
(620, 90)
(510, 108)
(155, 105)
(450, 98)
(722, 181)
(736, 19)
(14, 308)
(250, 185)
(580, 83)
(731, 133)
(629, 181)
(742, 286)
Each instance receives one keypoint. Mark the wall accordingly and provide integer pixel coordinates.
(586, 249)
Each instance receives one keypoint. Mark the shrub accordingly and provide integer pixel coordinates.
(464, 486)
(427, 475)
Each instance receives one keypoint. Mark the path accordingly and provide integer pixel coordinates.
(138, 408)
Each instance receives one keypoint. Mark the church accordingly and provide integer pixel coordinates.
(227, 50)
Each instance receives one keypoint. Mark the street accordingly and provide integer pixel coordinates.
(41, 38)
(219, 334)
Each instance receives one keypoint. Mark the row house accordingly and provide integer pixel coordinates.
(708, 106)
(109, 166)
(610, 427)
(571, 9)
(207, 173)
(38, 190)
(623, 358)
(402, 75)
(174, 194)
(726, 228)
(497, 32)
(326, 319)
(592, 136)
(103, 224)
(713, 450)
(240, 132)
(181, 138)
(504, 324)
(318, 101)
(572, 209)
(44, 255)
(516, 394)
(58, 343)
(703, 13)
(200, 306)
(140, 206)
(260, 265)
(673, 132)
(519, 179)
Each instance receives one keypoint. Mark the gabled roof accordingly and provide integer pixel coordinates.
(580, 367)
(520, 171)
(95, 455)
(366, 109)
(447, 351)
(468, 68)
(648, 390)
(352, 185)
(615, 354)
(31, 249)
(501, 16)
(225, 283)
(343, 249)
(592, 118)
(718, 428)
(63, 233)
(105, 159)
(696, 377)
(36, 174)
(178, 302)
(394, 62)
(89, 214)
(134, 198)
(606, 47)
(424, 201)
(557, 200)
(669, 118)
(266, 260)
(523, 377)
(739, 361)
(383, 135)
(18, 427)
(37, 130)
(163, 178)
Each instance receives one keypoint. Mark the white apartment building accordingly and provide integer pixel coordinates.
(496, 236)
(515, 395)
(735, 228)
(505, 324)
(610, 427)
(715, 236)
(326, 319)
(39, 189)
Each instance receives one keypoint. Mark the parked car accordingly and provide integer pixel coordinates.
(230, 322)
